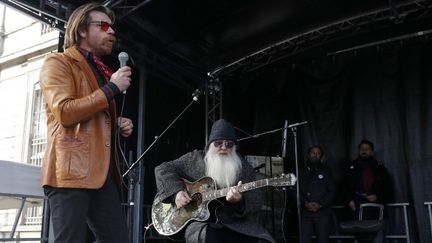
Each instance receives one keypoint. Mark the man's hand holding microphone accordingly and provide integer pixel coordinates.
(122, 78)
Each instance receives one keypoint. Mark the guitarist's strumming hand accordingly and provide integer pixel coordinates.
(233, 195)
(182, 199)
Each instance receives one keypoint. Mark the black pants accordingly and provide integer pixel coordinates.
(73, 209)
(321, 224)
(225, 235)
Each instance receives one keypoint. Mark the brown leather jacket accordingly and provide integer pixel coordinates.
(80, 122)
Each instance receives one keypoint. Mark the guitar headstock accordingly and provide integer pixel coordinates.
(283, 180)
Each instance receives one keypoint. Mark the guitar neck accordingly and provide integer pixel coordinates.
(210, 195)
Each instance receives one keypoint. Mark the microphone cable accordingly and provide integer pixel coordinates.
(283, 213)
(119, 153)
(119, 137)
(145, 231)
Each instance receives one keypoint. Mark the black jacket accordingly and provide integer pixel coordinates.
(381, 185)
(316, 185)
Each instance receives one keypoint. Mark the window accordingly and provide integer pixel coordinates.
(45, 29)
(34, 215)
(38, 130)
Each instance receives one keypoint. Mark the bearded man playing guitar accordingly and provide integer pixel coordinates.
(229, 215)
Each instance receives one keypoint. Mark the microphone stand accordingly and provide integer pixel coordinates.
(195, 96)
(249, 136)
(131, 200)
(293, 128)
(131, 170)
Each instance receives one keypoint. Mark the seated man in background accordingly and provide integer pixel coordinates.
(221, 162)
(317, 190)
(368, 181)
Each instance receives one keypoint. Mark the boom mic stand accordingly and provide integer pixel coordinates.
(130, 170)
(259, 134)
(195, 96)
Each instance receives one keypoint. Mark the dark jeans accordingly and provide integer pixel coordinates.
(73, 209)
(321, 224)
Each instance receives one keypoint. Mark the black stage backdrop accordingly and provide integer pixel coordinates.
(382, 94)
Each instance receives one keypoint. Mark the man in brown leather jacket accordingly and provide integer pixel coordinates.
(79, 167)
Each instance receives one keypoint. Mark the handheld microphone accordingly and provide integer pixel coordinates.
(123, 57)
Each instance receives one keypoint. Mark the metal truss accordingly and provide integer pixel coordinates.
(56, 13)
(213, 103)
(387, 16)
(124, 6)
(53, 13)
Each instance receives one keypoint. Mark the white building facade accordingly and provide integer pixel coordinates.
(24, 43)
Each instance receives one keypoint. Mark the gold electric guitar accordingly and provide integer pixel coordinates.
(169, 220)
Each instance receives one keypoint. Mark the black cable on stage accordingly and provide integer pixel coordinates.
(283, 214)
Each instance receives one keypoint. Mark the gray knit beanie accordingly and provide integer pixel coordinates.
(222, 130)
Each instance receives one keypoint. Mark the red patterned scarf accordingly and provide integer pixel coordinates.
(107, 72)
(104, 69)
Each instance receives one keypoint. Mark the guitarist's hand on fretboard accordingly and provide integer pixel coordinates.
(233, 195)
(182, 199)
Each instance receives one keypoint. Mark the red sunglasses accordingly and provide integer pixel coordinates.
(104, 26)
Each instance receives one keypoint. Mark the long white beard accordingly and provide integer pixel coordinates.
(224, 169)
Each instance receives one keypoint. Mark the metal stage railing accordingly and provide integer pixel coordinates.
(20, 189)
(429, 206)
(405, 235)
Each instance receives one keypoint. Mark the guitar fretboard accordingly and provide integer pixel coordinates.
(210, 195)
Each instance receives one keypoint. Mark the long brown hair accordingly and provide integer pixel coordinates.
(79, 20)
